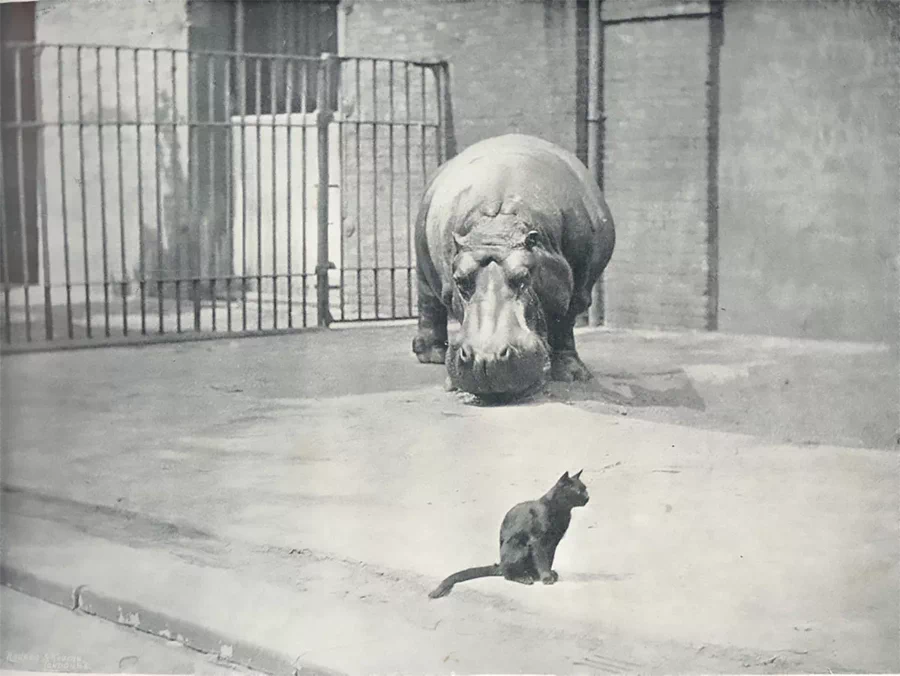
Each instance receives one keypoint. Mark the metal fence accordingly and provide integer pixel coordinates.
(157, 194)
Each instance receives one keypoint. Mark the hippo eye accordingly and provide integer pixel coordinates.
(519, 279)
(532, 239)
(466, 286)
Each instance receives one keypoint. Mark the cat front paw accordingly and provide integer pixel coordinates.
(522, 580)
(550, 578)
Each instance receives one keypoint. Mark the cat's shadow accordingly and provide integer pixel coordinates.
(593, 577)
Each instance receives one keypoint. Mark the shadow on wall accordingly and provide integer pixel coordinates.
(808, 169)
(174, 248)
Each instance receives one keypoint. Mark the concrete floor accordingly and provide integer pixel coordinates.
(743, 514)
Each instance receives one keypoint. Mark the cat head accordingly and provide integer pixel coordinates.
(571, 491)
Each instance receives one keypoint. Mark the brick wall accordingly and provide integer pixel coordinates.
(513, 70)
(655, 166)
(145, 23)
(513, 60)
(809, 166)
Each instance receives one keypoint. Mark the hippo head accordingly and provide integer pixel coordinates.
(501, 349)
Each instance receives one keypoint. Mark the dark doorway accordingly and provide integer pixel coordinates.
(257, 85)
(19, 258)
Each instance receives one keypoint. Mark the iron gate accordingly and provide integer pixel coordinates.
(159, 194)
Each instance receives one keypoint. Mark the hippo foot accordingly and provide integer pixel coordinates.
(429, 353)
(567, 367)
(435, 355)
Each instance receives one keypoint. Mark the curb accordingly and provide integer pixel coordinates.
(130, 614)
(31, 585)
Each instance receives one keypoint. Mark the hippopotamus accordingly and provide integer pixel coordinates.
(511, 236)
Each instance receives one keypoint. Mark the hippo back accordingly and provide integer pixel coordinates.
(554, 190)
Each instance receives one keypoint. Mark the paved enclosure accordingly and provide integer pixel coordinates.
(302, 494)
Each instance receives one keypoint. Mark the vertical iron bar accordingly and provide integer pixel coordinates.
(4, 243)
(84, 221)
(259, 232)
(391, 190)
(243, 84)
(422, 127)
(584, 34)
(448, 127)
(409, 235)
(597, 310)
(273, 109)
(438, 137)
(713, 106)
(121, 184)
(229, 182)
(42, 193)
(212, 221)
(142, 266)
(196, 222)
(288, 108)
(304, 101)
(323, 116)
(358, 103)
(176, 189)
(159, 219)
(103, 225)
(341, 153)
(20, 169)
(62, 193)
(375, 178)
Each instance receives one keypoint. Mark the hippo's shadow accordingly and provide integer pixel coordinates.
(662, 388)
(501, 399)
(671, 389)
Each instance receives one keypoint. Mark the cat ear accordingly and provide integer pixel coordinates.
(578, 475)
(565, 476)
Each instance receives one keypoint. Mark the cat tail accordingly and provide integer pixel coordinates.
(468, 574)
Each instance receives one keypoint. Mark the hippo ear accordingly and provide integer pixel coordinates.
(578, 475)
(532, 239)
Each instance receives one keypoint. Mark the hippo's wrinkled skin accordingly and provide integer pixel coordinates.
(511, 236)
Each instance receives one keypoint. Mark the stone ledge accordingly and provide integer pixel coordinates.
(141, 618)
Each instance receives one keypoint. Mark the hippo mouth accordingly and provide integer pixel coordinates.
(507, 373)
(501, 350)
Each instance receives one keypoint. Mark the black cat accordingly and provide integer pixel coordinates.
(529, 535)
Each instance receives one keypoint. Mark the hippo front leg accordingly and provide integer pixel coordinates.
(565, 364)
(430, 343)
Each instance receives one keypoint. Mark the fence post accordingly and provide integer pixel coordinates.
(447, 106)
(324, 82)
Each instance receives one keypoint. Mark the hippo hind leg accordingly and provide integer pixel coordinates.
(565, 364)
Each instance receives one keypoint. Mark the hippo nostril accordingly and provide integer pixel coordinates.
(466, 354)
